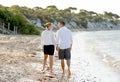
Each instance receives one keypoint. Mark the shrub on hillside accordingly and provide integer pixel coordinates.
(29, 29)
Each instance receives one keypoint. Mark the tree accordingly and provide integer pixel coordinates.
(111, 16)
(52, 7)
(70, 9)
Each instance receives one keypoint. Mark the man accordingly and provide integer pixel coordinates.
(64, 45)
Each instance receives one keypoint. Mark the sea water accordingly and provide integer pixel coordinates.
(96, 56)
(105, 44)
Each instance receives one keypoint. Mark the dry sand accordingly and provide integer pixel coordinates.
(21, 60)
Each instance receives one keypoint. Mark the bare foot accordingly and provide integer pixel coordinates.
(43, 70)
(63, 73)
(39, 80)
(48, 68)
(69, 73)
(50, 75)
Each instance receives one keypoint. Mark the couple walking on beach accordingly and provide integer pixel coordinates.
(63, 43)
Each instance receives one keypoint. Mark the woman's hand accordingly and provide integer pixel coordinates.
(43, 49)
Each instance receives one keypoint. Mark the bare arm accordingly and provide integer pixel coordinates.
(42, 42)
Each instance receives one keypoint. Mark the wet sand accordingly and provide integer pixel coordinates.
(21, 60)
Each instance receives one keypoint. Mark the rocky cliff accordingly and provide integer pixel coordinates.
(104, 25)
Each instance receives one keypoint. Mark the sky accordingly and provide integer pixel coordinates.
(98, 6)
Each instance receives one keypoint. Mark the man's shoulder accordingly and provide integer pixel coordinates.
(58, 30)
(64, 29)
(68, 29)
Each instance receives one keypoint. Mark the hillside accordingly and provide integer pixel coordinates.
(31, 20)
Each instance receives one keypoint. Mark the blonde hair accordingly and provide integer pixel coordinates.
(47, 24)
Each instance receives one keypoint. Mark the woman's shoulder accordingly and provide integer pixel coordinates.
(44, 31)
(52, 32)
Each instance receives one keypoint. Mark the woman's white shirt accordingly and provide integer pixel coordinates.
(47, 37)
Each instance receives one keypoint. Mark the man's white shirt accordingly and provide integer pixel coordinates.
(64, 38)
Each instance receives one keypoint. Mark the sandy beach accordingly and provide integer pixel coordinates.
(21, 60)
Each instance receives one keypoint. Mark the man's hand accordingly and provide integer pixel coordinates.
(57, 48)
(71, 47)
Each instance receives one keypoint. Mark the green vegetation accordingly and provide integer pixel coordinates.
(18, 16)
(13, 16)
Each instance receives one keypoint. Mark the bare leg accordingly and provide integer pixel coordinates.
(63, 66)
(45, 61)
(51, 62)
(68, 64)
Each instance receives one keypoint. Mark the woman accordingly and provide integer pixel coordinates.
(48, 43)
